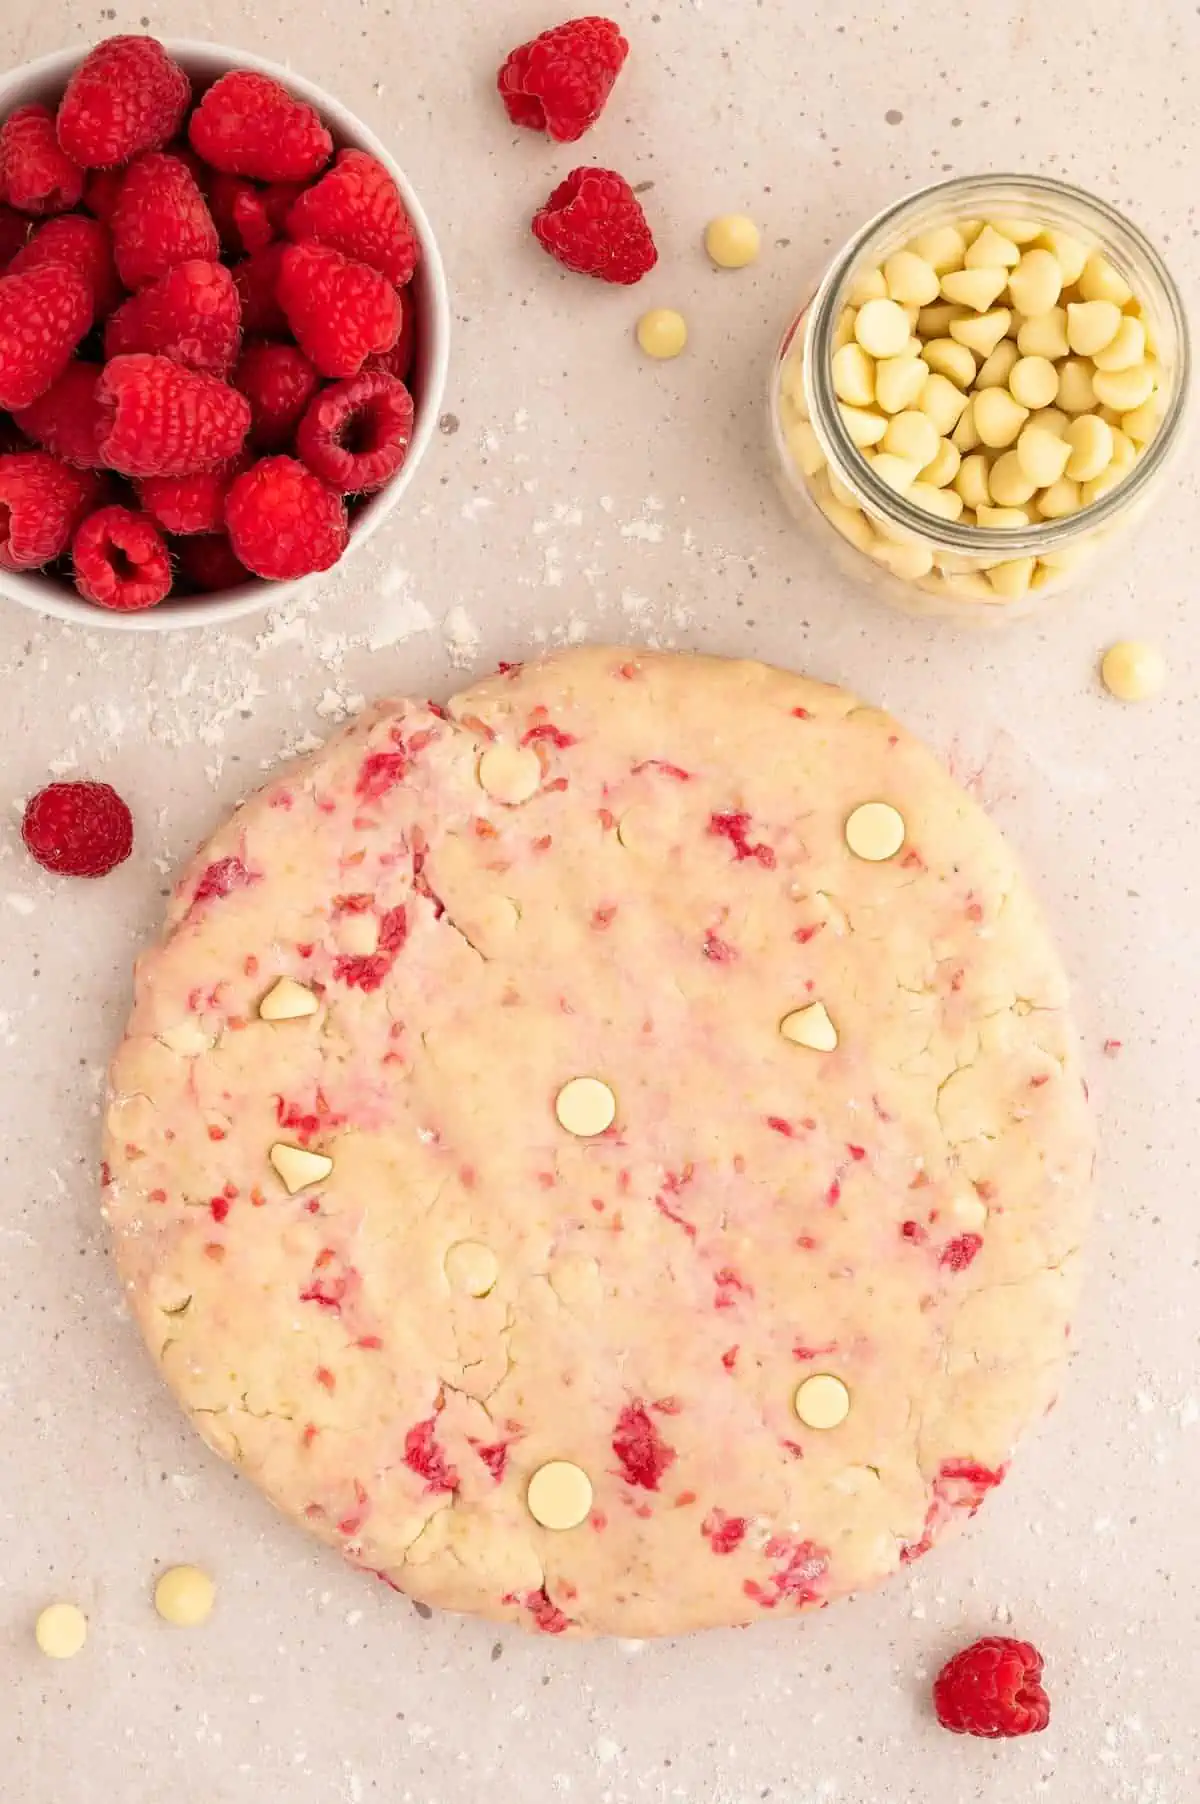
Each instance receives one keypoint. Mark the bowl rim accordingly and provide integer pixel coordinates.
(205, 59)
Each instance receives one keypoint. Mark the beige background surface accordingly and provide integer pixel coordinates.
(586, 493)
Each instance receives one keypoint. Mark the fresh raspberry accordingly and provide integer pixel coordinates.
(35, 176)
(41, 500)
(398, 361)
(127, 95)
(192, 315)
(339, 311)
(160, 219)
(66, 419)
(83, 243)
(190, 504)
(43, 315)
(249, 217)
(11, 438)
(560, 82)
(279, 382)
(249, 124)
(100, 194)
(355, 435)
(120, 560)
(208, 562)
(257, 280)
(159, 419)
(356, 208)
(78, 829)
(14, 230)
(992, 1688)
(594, 225)
(283, 521)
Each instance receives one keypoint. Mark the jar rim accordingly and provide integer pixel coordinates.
(1046, 536)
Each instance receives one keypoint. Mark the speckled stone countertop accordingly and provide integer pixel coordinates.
(577, 491)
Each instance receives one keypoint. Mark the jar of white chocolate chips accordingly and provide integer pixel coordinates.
(985, 388)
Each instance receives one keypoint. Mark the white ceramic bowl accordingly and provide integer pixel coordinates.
(45, 80)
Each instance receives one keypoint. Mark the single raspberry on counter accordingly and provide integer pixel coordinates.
(992, 1688)
(208, 562)
(189, 504)
(66, 419)
(120, 560)
(283, 521)
(41, 501)
(160, 419)
(83, 243)
(257, 281)
(127, 95)
(35, 176)
(192, 315)
(399, 360)
(100, 194)
(559, 82)
(160, 219)
(78, 829)
(356, 208)
(339, 311)
(279, 382)
(247, 216)
(43, 315)
(355, 435)
(593, 224)
(14, 230)
(249, 124)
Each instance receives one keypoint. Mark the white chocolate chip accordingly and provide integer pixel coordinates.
(184, 1597)
(1075, 391)
(1099, 281)
(944, 503)
(914, 436)
(981, 332)
(851, 523)
(943, 402)
(1069, 254)
(1033, 381)
(943, 466)
(662, 332)
(882, 329)
(1021, 231)
(875, 831)
(853, 376)
(996, 369)
(975, 288)
(1133, 671)
(298, 1168)
(898, 472)
(1126, 349)
(1124, 452)
(935, 321)
(843, 332)
(805, 447)
(998, 418)
(899, 382)
(990, 249)
(822, 1401)
(60, 1631)
(1091, 442)
(559, 1495)
(510, 773)
(1091, 325)
(950, 358)
(910, 279)
(863, 427)
(1006, 519)
(1009, 482)
(868, 285)
(1126, 390)
(1036, 283)
(287, 1000)
(1060, 498)
(1042, 454)
(471, 1268)
(188, 1039)
(965, 437)
(732, 240)
(810, 1026)
(905, 558)
(1044, 334)
(585, 1107)
(357, 935)
(1011, 579)
(971, 483)
(943, 247)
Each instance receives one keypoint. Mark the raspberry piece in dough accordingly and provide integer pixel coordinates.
(35, 176)
(41, 500)
(340, 311)
(78, 829)
(160, 219)
(159, 419)
(192, 314)
(992, 1688)
(283, 521)
(356, 208)
(43, 315)
(66, 420)
(83, 243)
(593, 223)
(121, 561)
(248, 124)
(559, 83)
(355, 435)
(126, 96)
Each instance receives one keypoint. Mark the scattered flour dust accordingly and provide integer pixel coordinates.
(462, 638)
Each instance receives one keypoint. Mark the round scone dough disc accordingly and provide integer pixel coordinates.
(849, 1142)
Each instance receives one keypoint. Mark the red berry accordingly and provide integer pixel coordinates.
(594, 225)
(83, 243)
(283, 521)
(14, 230)
(35, 176)
(560, 82)
(189, 504)
(43, 315)
(278, 381)
(41, 500)
(257, 280)
(100, 194)
(355, 435)
(207, 562)
(159, 419)
(192, 315)
(249, 124)
(356, 208)
(126, 96)
(78, 829)
(399, 360)
(120, 560)
(249, 217)
(992, 1688)
(160, 219)
(339, 311)
(66, 419)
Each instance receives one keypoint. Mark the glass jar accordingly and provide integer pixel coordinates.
(917, 559)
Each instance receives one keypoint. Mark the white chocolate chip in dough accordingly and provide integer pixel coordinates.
(188, 1039)
(875, 831)
(1133, 671)
(882, 329)
(471, 1268)
(559, 1495)
(60, 1631)
(810, 1026)
(732, 240)
(822, 1401)
(585, 1107)
(510, 773)
(287, 1000)
(298, 1168)
(184, 1596)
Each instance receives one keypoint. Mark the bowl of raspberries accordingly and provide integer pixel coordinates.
(224, 329)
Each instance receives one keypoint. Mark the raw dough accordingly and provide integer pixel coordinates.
(901, 1213)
